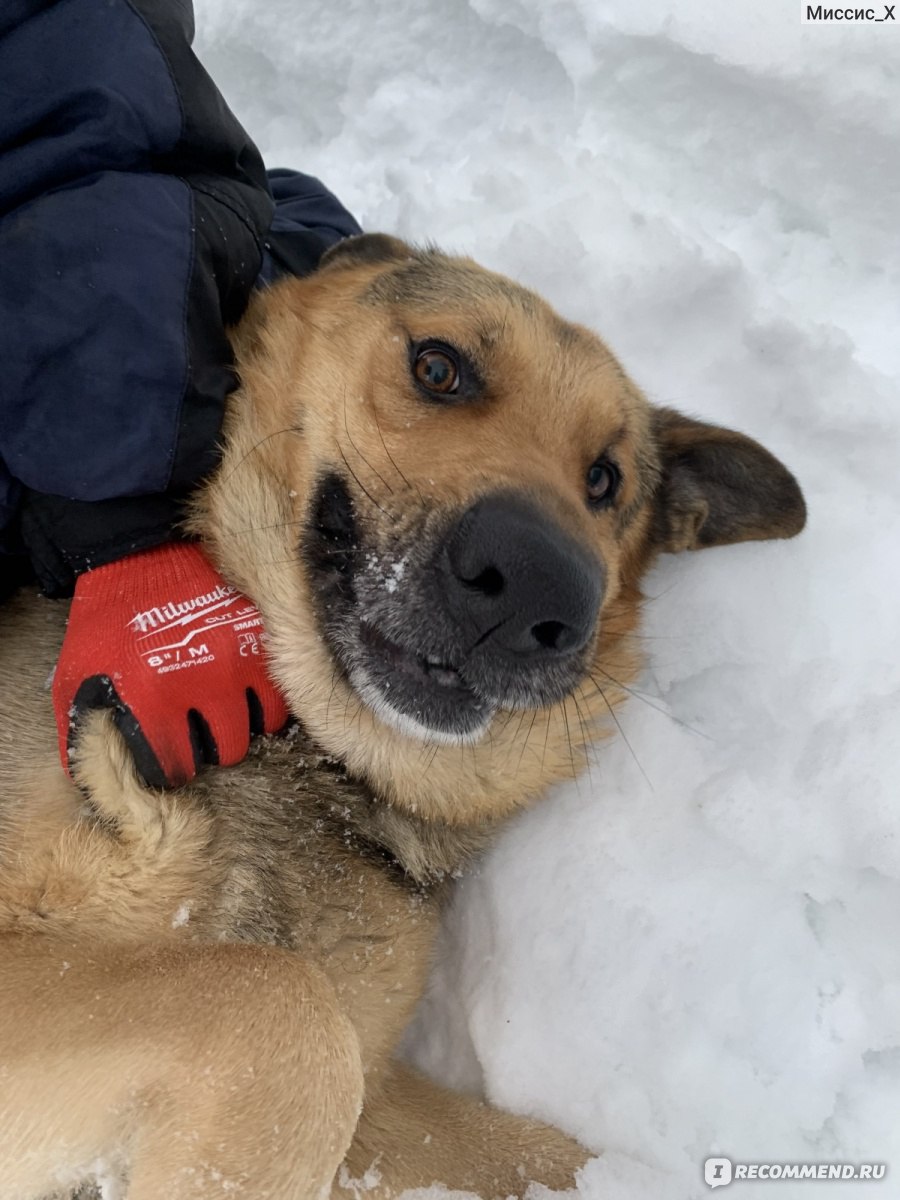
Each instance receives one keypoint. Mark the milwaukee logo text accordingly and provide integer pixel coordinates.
(165, 614)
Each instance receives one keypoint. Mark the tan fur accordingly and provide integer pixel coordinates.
(203, 987)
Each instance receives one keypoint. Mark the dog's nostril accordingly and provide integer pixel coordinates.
(548, 634)
(489, 582)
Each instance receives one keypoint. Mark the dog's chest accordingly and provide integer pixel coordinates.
(295, 867)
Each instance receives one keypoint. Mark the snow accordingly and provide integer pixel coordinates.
(706, 962)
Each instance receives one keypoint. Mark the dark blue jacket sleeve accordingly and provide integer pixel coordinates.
(308, 219)
(135, 217)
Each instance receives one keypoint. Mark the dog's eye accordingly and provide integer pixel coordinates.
(437, 371)
(602, 482)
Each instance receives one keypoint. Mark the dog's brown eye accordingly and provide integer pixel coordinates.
(437, 371)
(602, 481)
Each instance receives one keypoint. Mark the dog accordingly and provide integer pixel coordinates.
(442, 497)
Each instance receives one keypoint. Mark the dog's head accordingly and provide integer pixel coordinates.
(443, 497)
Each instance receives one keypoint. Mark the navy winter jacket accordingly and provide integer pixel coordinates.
(135, 218)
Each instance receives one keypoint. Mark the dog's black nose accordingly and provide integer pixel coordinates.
(518, 583)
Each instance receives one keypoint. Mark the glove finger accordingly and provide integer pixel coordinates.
(257, 714)
(203, 745)
(228, 733)
(274, 711)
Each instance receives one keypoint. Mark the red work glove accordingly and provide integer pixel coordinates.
(176, 653)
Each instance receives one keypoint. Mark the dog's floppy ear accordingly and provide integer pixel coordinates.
(365, 249)
(718, 486)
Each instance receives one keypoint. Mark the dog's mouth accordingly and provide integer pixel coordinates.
(419, 693)
(422, 670)
(439, 669)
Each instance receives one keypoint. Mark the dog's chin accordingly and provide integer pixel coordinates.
(419, 724)
(419, 695)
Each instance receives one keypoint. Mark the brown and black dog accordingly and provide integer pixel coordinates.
(442, 497)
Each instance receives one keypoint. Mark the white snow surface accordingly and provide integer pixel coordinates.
(707, 962)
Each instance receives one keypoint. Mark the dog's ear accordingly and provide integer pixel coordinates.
(718, 486)
(364, 250)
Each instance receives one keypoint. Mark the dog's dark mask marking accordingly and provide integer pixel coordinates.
(457, 616)
(331, 542)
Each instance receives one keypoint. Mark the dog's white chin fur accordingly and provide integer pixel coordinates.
(375, 700)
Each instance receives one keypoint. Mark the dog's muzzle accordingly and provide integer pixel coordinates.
(497, 609)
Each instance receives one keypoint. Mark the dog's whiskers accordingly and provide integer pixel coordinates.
(612, 713)
(334, 683)
(360, 484)
(645, 699)
(585, 734)
(515, 737)
(569, 741)
(262, 441)
(390, 456)
(526, 740)
(546, 739)
(264, 528)
(360, 453)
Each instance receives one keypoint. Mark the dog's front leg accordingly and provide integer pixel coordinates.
(413, 1133)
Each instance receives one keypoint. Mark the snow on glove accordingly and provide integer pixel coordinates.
(176, 653)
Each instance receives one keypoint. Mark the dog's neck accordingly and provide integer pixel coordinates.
(421, 853)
